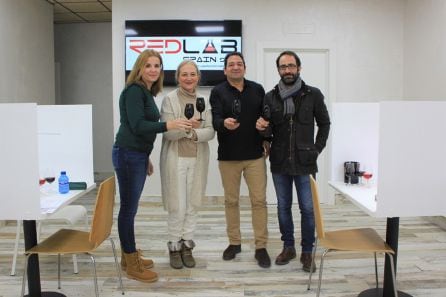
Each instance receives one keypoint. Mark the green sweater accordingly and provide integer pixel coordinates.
(139, 119)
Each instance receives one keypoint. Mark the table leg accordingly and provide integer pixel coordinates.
(30, 236)
(392, 234)
(34, 289)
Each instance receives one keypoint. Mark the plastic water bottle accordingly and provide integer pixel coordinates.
(64, 186)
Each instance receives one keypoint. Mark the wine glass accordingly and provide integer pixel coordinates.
(49, 177)
(189, 110)
(201, 105)
(236, 109)
(367, 175)
(266, 112)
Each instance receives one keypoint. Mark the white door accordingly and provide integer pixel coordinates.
(315, 72)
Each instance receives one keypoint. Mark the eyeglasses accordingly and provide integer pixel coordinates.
(289, 66)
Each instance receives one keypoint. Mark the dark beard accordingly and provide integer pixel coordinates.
(289, 79)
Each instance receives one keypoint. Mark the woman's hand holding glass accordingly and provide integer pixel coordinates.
(196, 123)
(180, 124)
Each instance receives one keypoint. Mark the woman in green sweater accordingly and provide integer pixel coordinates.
(131, 151)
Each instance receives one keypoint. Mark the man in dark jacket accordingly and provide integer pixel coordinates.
(294, 107)
(236, 106)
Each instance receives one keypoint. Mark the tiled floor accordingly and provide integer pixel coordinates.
(421, 260)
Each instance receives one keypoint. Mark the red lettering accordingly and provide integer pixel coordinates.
(164, 46)
(137, 45)
(169, 42)
(155, 44)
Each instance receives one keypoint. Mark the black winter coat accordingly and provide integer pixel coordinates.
(294, 149)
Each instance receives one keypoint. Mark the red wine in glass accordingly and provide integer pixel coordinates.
(236, 109)
(200, 105)
(189, 110)
(367, 176)
(50, 179)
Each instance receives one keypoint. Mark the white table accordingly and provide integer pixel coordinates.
(365, 197)
(30, 236)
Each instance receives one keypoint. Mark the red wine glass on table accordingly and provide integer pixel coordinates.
(49, 177)
(367, 175)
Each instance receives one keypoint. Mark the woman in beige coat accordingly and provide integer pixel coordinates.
(184, 164)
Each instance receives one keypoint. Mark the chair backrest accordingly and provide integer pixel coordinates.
(317, 209)
(103, 212)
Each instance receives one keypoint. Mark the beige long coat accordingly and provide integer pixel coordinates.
(170, 109)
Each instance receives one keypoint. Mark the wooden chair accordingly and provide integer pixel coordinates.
(70, 215)
(68, 241)
(351, 240)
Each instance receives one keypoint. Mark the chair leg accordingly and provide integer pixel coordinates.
(16, 247)
(118, 269)
(75, 268)
(320, 273)
(58, 271)
(376, 270)
(312, 261)
(96, 289)
(25, 271)
(392, 268)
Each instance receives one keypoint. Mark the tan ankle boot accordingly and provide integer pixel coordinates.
(136, 270)
(147, 263)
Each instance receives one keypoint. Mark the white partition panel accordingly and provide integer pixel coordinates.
(37, 137)
(407, 140)
(412, 160)
(66, 141)
(354, 137)
(19, 176)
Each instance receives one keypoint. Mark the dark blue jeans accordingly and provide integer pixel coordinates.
(131, 171)
(283, 185)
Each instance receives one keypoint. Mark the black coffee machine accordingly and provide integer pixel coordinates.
(352, 172)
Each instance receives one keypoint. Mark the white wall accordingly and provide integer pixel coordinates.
(26, 52)
(425, 50)
(83, 57)
(367, 37)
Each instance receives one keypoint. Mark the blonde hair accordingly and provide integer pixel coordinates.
(187, 62)
(135, 74)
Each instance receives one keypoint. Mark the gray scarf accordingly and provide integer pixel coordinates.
(286, 93)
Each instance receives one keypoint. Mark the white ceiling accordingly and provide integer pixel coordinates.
(81, 11)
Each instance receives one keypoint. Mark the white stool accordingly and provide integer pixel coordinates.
(70, 214)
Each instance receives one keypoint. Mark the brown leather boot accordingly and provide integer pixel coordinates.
(135, 269)
(288, 253)
(147, 263)
(307, 262)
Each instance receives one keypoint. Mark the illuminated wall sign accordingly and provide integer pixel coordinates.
(207, 51)
(205, 42)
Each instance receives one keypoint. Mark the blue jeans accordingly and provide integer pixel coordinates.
(131, 171)
(283, 185)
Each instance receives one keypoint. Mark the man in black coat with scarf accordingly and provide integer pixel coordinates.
(294, 108)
